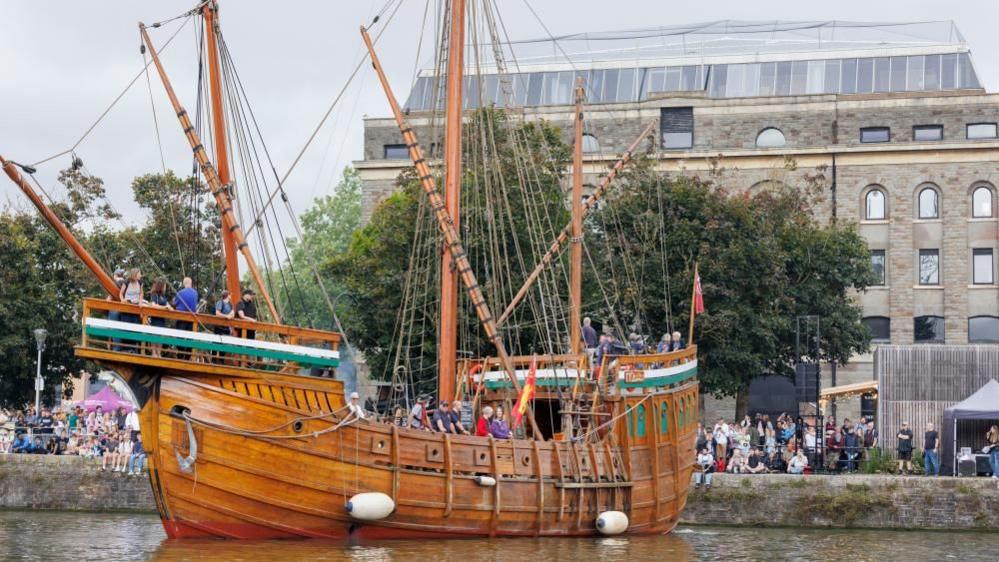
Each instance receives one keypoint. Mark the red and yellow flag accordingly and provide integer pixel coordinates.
(698, 294)
(526, 394)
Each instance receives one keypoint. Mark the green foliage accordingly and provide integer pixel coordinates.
(763, 260)
(878, 462)
(498, 221)
(327, 227)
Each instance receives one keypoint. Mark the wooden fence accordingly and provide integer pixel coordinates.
(916, 383)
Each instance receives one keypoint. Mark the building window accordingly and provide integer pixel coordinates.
(929, 267)
(982, 131)
(981, 203)
(880, 328)
(770, 138)
(983, 329)
(928, 329)
(927, 133)
(875, 134)
(982, 266)
(677, 125)
(929, 204)
(590, 143)
(396, 151)
(874, 205)
(878, 266)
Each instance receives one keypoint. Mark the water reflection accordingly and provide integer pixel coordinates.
(88, 536)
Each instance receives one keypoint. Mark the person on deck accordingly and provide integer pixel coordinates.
(246, 310)
(482, 427)
(418, 415)
(665, 345)
(498, 428)
(456, 418)
(354, 406)
(399, 416)
(442, 422)
(157, 299)
(131, 293)
(677, 344)
(590, 339)
(635, 344)
(224, 309)
(186, 300)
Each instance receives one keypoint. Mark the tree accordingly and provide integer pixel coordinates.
(763, 261)
(327, 227)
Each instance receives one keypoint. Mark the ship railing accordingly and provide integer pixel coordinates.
(112, 326)
(632, 370)
(562, 370)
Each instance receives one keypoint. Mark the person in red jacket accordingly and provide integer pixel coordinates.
(482, 427)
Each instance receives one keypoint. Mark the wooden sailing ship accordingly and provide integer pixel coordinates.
(243, 443)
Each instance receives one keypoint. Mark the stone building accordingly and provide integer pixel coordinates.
(889, 121)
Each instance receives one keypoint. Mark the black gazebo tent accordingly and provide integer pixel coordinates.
(982, 405)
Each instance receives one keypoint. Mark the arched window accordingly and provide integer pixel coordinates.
(928, 329)
(929, 203)
(981, 203)
(875, 205)
(664, 418)
(590, 143)
(640, 421)
(770, 137)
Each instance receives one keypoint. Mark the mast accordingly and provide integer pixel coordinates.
(447, 350)
(210, 13)
(102, 276)
(576, 256)
(450, 233)
(215, 185)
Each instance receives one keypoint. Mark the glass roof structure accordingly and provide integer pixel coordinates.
(725, 59)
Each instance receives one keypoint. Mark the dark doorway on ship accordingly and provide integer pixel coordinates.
(548, 414)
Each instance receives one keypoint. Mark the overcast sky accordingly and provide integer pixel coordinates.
(65, 60)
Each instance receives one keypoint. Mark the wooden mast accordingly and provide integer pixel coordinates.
(464, 269)
(210, 13)
(447, 359)
(211, 176)
(576, 256)
(102, 276)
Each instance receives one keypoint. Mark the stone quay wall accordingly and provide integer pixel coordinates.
(863, 501)
(873, 502)
(69, 483)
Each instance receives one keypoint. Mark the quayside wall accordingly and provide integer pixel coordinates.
(867, 501)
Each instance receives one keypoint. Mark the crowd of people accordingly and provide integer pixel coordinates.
(759, 445)
(447, 418)
(599, 345)
(112, 438)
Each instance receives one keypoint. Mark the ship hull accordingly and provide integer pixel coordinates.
(248, 480)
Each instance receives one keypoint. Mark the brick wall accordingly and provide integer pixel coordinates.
(861, 501)
(69, 483)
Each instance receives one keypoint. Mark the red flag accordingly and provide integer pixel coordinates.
(526, 394)
(698, 294)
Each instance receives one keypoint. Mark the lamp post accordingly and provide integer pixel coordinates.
(40, 335)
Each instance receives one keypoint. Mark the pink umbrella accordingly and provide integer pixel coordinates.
(108, 400)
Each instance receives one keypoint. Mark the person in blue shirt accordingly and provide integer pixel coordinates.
(186, 301)
(21, 444)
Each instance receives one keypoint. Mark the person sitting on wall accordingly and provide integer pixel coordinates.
(706, 462)
(798, 463)
(137, 458)
(774, 462)
(21, 444)
(38, 447)
(754, 464)
(737, 464)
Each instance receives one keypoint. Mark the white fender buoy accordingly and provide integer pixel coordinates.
(612, 522)
(370, 506)
(485, 481)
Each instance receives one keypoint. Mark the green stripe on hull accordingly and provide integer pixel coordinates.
(547, 381)
(211, 346)
(660, 381)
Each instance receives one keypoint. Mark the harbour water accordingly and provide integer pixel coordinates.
(39, 535)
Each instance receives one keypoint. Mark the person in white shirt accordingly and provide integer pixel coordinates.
(132, 424)
(356, 410)
(798, 463)
(707, 464)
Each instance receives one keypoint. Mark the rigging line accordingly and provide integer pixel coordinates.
(336, 100)
(159, 143)
(113, 103)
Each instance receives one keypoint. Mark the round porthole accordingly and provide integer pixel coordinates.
(298, 426)
(380, 445)
(526, 460)
(482, 456)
